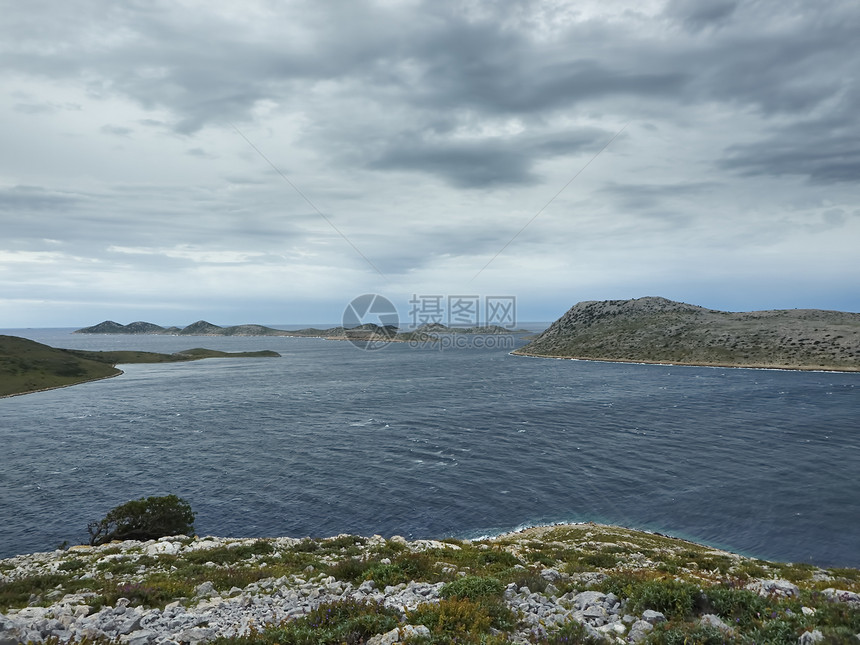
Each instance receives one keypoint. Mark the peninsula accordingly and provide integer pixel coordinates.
(27, 366)
(657, 330)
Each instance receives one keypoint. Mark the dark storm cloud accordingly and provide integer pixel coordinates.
(831, 160)
(485, 162)
(697, 15)
(435, 58)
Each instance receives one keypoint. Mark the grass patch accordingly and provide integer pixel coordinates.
(677, 600)
(473, 588)
(529, 578)
(17, 593)
(404, 568)
(229, 555)
(335, 623)
(72, 565)
(460, 620)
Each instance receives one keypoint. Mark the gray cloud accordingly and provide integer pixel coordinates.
(116, 130)
(697, 16)
(18, 199)
(482, 163)
(429, 132)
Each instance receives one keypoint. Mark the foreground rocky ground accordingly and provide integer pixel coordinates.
(560, 584)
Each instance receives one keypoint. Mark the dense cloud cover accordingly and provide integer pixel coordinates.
(266, 162)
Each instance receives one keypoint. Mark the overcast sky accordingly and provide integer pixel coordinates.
(424, 136)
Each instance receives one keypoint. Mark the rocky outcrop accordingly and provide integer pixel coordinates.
(657, 330)
(546, 598)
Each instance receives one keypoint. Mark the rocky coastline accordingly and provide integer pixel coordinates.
(590, 577)
(655, 330)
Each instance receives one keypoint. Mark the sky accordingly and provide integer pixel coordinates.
(267, 162)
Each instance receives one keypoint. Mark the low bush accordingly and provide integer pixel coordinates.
(461, 620)
(346, 621)
(472, 588)
(147, 518)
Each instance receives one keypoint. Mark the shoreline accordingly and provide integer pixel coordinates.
(58, 387)
(751, 366)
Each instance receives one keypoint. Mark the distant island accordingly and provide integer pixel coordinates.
(365, 332)
(657, 330)
(27, 366)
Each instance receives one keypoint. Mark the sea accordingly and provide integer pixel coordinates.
(427, 441)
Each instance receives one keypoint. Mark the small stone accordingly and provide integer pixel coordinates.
(639, 631)
(140, 637)
(653, 617)
(195, 635)
(588, 598)
(776, 587)
(808, 638)
(204, 589)
(712, 620)
(807, 611)
(841, 595)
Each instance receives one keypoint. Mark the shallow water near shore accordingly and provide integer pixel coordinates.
(425, 443)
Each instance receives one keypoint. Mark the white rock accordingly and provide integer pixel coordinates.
(653, 617)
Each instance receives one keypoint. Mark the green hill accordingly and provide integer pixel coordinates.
(657, 330)
(28, 366)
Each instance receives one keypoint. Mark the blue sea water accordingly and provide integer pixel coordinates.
(426, 443)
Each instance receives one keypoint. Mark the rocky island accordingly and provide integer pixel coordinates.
(365, 332)
(27, 366)
(657, 330)
(583, 583)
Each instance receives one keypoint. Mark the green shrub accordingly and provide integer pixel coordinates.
(686, 634)
(740, 605)
(600, 559)
(350, 569)
(472, 587)
(462, 620)
(346, 621)
(673, 598)
(229, 555)
(306, 546)
(147, 518)
(72, 565)
(571, 633)
(524, 578)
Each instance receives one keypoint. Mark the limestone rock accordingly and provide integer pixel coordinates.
(653, 617)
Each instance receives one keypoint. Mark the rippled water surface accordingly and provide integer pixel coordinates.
(423, 443)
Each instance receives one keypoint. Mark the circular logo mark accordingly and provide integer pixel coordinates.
(370, 321)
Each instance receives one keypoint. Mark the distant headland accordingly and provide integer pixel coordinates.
(657, 330)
